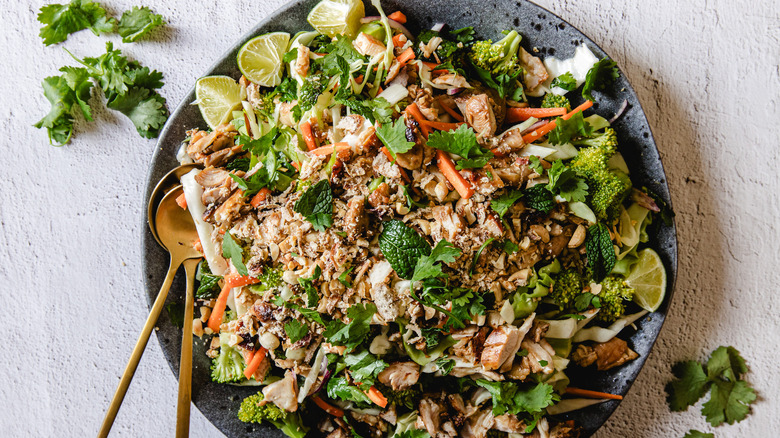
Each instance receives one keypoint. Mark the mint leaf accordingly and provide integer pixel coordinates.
(137, 23)
(599, 76)
(502, 204)
(462, 142)
(233, 251)
(565, 81)
(295, 330)
(539, 198)
(316, 205)
(393, 136)
(402, 247)
(600, 251)
(59, 21)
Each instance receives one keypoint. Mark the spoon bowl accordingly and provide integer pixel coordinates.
(175, 228)
(165, 185)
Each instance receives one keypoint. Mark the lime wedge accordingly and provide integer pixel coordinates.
(260, 59)
(648, 278)
(217, 97)
(337, 17)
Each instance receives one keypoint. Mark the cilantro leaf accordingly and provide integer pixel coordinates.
(599, 76)
(688, 387)
(137, 23)
(59, 21)
(729, 402)
(502, 204)
(233, 251)
(290, 56)
(312, 295)
(375, 110)
(565, 182)
(66, 93)
(539, 198)
(565, 81)
(354, 333)
(410, 202)
(426, 266)
(402, 247)
(510, 247)
(311, 315)
(566, 130)
(696, 434)
(393, 136)
(339, 388)
(536, 164)
(344, 277)
(364, 367)
(295, 330)
(600, 251)
(462, 142)
(516, 399)
(726, 362)
(145, 108)
(287, 90)
(316, 205)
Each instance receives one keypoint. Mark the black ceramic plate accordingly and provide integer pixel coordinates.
(541, 30)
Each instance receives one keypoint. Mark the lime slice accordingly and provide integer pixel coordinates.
(337, 17)
(217, 97)
(260, 59)
(648, 278)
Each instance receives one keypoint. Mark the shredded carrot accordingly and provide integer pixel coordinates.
(376, 396)
(520, 114)
(398, 16)
(325, 406)
(592, 394)
(260, 197)
(254, 363)
(544, 130)
(231, 281)
(330, 148)
(181, 201)
(406, 56)
(296, 165)
(433, 65)
(419, 117)
(451, 111)
(447, 167)
(359, 79)
(308, 135)
(387, 153)
(397, 40)
(441, 126)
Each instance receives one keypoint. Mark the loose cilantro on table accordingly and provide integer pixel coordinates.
(233, 251)
(697, 434)
(730, 396)
(316, 205)
(462, 142)
(393, 136)
(59, 21)
(295, 330)
(600, 251)
(138, 22)
(353, 333)
(603, 73)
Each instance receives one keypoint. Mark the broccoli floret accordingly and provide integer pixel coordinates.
(405, 397)
(264, 106)
(493, 433)
(310, 91)
(608, 188)
(271, 278)
(289, 422)
(497, 58)
(228, 366)
(552, 100)
(568, 285)
(613, 296)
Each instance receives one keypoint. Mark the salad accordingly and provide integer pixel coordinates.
(414, 235)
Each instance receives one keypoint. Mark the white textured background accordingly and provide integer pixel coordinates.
(707, 73)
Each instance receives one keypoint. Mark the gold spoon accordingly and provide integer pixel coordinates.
(168, 182)
(177, 232)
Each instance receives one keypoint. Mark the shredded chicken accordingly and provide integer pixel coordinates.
(283, 393)
(400, 375)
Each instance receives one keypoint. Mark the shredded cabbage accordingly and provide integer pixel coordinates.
(600, 334)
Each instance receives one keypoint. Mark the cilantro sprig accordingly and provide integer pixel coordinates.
(59, 21)
(462, 142)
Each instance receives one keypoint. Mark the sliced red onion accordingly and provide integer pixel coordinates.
(437, 27)
(538, 124)
(324, 381)
(394, 24)
(623, 108)
(644, 200)
(453, 91)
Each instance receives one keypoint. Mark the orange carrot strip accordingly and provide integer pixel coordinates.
(419, 117)
(231, 281)
(308, 135)
(397, 40)
(260, 197)
(520, 114)
(592, 394)
(330, 148)
(387, 153)
(359, 79)
(433, 65)
(181, 201)
(325, 406)
(540, 132)
(254, 363)
(406, 56)
(398, 16)
(447, 167)
(451, 112)
(296, 165)
(441, 126)
(376, 396)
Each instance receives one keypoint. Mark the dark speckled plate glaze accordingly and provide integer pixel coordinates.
(541, 30)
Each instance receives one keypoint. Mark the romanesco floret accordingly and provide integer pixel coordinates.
(568, 285)
(499, 57)
(552, 100)
(228, 366)
(310, 91)
(608, 188)
(613, 296)
(251, 411)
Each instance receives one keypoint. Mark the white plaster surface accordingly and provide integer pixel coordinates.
(706, 71)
